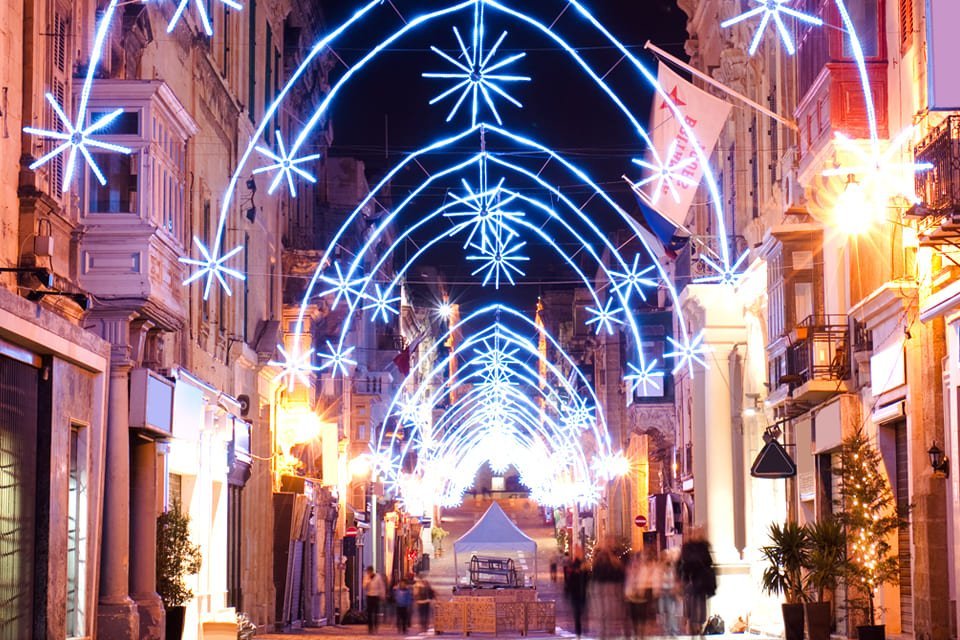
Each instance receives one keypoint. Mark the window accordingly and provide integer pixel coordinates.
(906, 24)
(58, 82)
(119, 194)
(77, 533)
(865, 16)
(268, 79)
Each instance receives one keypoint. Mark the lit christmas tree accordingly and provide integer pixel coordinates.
(868, 511)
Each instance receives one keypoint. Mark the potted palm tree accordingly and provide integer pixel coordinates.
(870, 516)
(826, 559)
(177, 557)
(786, 557)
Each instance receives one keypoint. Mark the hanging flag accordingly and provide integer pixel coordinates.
(705, 116)
(402, 359)
(667, 234)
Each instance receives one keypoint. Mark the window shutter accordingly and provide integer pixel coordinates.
(58, 84)
(906, 24)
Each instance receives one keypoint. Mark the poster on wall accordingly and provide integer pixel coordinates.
(943, 51)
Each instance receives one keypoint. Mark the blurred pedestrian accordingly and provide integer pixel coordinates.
(575, 587)
(669, 593)
(423, 596)
(376, 590)
(640, 589)
(698, 578)
(554, 561)
(607, 577)
(403, 599)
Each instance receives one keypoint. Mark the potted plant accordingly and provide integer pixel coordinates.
(869, 516)
(437, 534)
(825, 566)
(786, 556)
(177, 557)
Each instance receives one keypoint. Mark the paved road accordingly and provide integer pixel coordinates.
(457, 522)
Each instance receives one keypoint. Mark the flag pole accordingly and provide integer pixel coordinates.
(719, 85)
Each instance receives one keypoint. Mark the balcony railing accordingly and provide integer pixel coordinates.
(368, 386)
(939, 187)
(690, 264)
(821, 351)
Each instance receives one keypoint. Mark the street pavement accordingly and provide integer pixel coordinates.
(457, 521)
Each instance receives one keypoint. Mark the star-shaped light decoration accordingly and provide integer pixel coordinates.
(729, 275)
(285, 165)
(687, 353)
(771, 10)
(645, 378)
(484, 212)
(382, 304)
(498, 262)
(666, 173)
(212, 268)
(605, 317)
(477, 73)
(880, 171)
(337, 359)
(342, 287)
(201, 6)
(496, 360)
(633, 279)
(578, 415)
(294, 366)
(76, 138)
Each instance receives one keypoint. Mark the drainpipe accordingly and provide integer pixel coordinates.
(735, 376)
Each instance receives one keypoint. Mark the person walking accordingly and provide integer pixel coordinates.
(403, 600)
(376, 590)
(698, 579)
(423, 595)
(640, 590)
(575, 587)
(668, 593)
(607, 577)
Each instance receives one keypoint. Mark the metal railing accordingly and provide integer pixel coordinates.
(690, 264)
(939, 187)
(821, 352)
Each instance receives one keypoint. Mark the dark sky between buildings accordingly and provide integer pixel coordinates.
(383, 115)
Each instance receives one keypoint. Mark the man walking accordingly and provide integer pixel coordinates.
(376, 590)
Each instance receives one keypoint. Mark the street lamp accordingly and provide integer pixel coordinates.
(939, 462)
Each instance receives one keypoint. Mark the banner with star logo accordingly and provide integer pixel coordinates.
(680, 171)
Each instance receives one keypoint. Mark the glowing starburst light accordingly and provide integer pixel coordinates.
(382, 304)
(612, 466)
(633, 279)
(880, 171)
(667, 173)
(644, 378)
(771, 10)
(477, 73)
(294, 366)
(337, 359)
(498, 262)
(604, 318)
(201, 6)
(76, 138)
(342, 287)
(687, 353)
(285, 165)
(724, 275)
(484, 213)
(212, 267)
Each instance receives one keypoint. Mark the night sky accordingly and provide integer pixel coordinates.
(384, 113)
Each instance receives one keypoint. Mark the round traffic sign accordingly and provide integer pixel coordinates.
(640, 521)
(351, 531)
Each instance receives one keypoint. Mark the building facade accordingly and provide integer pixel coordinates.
(836, 328)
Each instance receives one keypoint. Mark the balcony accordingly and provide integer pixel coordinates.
(939, 187)
(816, 366)
(369, 386)
(690, 264)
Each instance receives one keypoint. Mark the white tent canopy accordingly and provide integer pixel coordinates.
(495, 532)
